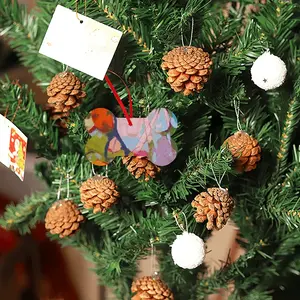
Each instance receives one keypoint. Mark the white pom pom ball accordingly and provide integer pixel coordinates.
(188, 251)
(268, 71)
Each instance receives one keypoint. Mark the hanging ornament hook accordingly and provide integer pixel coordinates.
(85, 7)
(81, 172)
(218, 182)
(153, 273)
(128, 115)
(59, 188)
(68, 186)
(65, 68)
(93, 170)
(182, 226)
(192, 32)
(237, 113)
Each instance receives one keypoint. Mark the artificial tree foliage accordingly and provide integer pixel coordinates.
(267, 208)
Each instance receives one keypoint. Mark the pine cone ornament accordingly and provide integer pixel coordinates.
(188, 69)
(215, 206)
(139, 166)
(149, 288)
(65, 93)
(245, 151)
(99, 193)
(63, 218)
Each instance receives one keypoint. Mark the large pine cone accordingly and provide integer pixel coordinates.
(150, 288)
(215, 206)
(139, 166)
(245, 151)
(99, 193)
(188, 69)
(63, 218)
(65, 93)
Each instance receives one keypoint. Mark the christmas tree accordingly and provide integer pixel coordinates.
(238, 155)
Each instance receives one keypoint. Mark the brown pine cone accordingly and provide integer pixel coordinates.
(139, 166)
(65, 93)
(188, 69)
(215, 206)
(148, 287)
(99, 193)
(63, 218)
(245, 151)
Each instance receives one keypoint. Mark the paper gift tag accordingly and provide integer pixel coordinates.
(13, 147)
(88, 46)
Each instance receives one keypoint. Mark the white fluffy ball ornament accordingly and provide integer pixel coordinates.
(268, 71)
(188, 250)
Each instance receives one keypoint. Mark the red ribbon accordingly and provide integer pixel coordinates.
(119, 100)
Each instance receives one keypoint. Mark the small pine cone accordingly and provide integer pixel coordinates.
(148, 287)
(99, 193)
(139, 166)
(63, 218)
(245, 151)
(65, 93)
(188, 69)
(215, 206)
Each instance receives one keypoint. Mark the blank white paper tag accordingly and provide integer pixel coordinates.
(12, 147)
(88, 46)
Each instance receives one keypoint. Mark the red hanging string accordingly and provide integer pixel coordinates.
(128, 92)
(119, 100)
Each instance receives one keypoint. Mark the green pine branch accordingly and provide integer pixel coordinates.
(290, 124)
(218, 30)
(29, 117)
(205, 166)
(221, 278)
(267, 199)
(24, 33)
(283, 205)
(274, 260)
(25, 215)
(124, 239)
(148, 22)
(277, 21)
(182, 282)
(120, 13)
(243, 52)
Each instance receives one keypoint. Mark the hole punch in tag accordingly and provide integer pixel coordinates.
(13, 147)
(93, 47)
